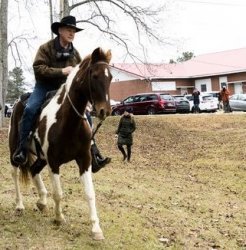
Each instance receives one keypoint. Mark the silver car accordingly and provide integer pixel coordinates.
(238, 102)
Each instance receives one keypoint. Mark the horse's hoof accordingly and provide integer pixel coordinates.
(41, 207)
(59, 222)
(97, 236)
(19, 211)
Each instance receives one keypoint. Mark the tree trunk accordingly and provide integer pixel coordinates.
(51, 17)
(64, 8)
(3, 54)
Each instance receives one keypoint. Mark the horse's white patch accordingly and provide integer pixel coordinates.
(107, 97)
(106, 72)
(71, 77)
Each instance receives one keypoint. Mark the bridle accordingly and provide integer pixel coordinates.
(90, 93)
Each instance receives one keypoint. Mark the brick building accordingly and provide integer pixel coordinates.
(207, 73)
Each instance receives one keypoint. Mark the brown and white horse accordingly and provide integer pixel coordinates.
(64, 134)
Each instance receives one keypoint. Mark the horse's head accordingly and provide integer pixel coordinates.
(99, 82)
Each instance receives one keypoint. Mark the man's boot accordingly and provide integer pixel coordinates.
(98, 161)
(20, 155)
(103, 161)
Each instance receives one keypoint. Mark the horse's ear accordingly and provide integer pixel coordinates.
(99, 54)
(108, 56)
(96, 55)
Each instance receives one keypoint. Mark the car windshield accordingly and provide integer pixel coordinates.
(207, 98)
(166, 97)
(189, 97)
(180, 98)
(129, 99)
(242, 97)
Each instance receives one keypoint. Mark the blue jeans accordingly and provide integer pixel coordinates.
(32, 110)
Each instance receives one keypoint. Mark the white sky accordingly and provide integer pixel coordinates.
(199, 26)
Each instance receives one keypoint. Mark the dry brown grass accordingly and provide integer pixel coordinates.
(184, 189)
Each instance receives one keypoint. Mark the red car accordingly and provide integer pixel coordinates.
(147, 103)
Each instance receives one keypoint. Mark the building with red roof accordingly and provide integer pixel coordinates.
(207, 73)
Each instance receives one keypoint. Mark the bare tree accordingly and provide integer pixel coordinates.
(104, 15)
(3, 53)
(51, 16)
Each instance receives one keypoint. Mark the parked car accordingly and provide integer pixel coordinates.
(113, 102)
(238, 102)
(215, 95)
(182, 104)
(8, 109)
(207, 103)
(147, 103)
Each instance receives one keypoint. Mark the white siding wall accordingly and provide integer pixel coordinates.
(222, 79)
(163, 86)
(206, 81)
(122, 76)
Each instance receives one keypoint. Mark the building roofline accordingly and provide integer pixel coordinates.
(199, 76)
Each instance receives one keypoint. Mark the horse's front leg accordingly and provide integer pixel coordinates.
(57, 196)
(42, 192)
(19, 202)
(36, 168)
(86, 179)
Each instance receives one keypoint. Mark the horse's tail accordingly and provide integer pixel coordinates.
(25, 169)
(14, 140)
(24, 173)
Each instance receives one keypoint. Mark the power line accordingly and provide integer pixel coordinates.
(213, 3)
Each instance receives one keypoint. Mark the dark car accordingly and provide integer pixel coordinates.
(147, 103)
(182, 104)
(238, 102)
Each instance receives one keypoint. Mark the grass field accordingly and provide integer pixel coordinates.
(184, 189)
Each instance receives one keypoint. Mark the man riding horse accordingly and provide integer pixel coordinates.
(53, 63)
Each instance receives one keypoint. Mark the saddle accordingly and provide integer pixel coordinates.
(24, 98)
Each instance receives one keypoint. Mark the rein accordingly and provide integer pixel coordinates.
(95, 131)
(76, 111)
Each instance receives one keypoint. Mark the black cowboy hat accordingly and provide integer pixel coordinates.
(68, 21)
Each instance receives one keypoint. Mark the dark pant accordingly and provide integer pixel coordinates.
(226, 106)
(32, 110)
(129, 151)
(196, 107)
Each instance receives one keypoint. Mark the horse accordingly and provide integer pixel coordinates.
(62, 134)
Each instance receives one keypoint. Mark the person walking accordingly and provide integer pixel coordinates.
(224, 93)
(124, 133)
(6, 110)
(53, 63)
(196, 100)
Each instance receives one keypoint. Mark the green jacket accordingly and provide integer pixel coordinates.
(125, 129)
(48, 69)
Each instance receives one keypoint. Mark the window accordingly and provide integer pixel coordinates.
(129, 99)
(203, 88)
(143, 98)
(152, 97)
(166, 97)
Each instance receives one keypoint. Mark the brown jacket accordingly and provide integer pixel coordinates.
(224, 94)
(48, 69)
